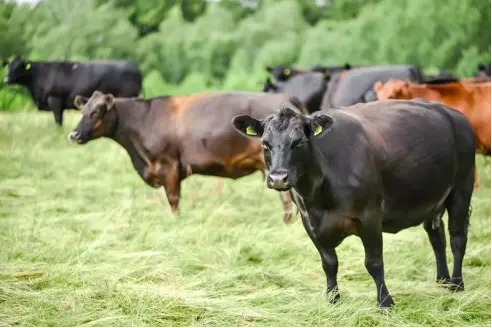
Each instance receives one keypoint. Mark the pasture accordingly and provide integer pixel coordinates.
(84, 242)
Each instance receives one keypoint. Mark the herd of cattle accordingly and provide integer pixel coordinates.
(360, 150)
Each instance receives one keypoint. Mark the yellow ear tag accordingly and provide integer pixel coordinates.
(318, 130)
(250, 131)
(287, 71)
(28, 66)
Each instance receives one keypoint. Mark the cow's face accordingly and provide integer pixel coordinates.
(18, 70)
(97, 120)
(286, 138)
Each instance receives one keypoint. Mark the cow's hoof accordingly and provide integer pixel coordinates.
(456, 285)
(387, 303)
(443, 281)
(333, 296)
(289, 218)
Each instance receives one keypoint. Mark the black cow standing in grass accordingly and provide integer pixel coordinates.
(371, 168)
(53, 85)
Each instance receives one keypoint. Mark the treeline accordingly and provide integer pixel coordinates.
(192, 45)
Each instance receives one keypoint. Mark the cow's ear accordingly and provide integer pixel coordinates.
(109, 100)
(320, 124)
(248, 125)
(80, 101)
(347, 66)
(28, 66)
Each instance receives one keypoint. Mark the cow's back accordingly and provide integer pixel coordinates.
(425, 146)
(205, 132)
(355, 85)
(67, 79)
(122, 79)
(410, 154)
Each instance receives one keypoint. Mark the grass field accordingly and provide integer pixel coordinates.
(85, 242)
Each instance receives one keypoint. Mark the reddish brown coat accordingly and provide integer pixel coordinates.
(169, 138)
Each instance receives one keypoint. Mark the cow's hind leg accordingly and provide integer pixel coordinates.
(56, 106)
(459, 211)
(437, 239)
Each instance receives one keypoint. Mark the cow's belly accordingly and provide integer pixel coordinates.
(228, 161)
(397, 218)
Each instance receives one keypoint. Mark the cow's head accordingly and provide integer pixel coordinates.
(393, 89)
(19, 70)
(97, 117)
(286, 138)
(283, 73)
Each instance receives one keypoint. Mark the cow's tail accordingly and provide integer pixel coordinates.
(298, 104)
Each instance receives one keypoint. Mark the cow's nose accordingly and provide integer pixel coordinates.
(74, 136)
(278, 180)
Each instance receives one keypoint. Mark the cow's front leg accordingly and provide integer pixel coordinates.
(55, 104)
(171, 181)
(372, 238)
(326, 235)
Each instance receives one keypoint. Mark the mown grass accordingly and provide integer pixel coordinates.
(85, 242)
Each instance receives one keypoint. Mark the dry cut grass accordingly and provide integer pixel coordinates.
(85, 242)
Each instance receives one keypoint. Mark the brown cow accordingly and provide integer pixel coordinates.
(171, 137)
(472, 99)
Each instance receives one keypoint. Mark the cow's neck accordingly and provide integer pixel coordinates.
(129, 123)
(311, 183)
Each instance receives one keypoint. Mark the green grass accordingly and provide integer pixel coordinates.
(84, 242)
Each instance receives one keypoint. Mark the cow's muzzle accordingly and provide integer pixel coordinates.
(76, 137)
(278, 181)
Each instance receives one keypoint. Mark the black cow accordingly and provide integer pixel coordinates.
(356, 85)
(307, 87)
(53, 85)
(371, 168)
